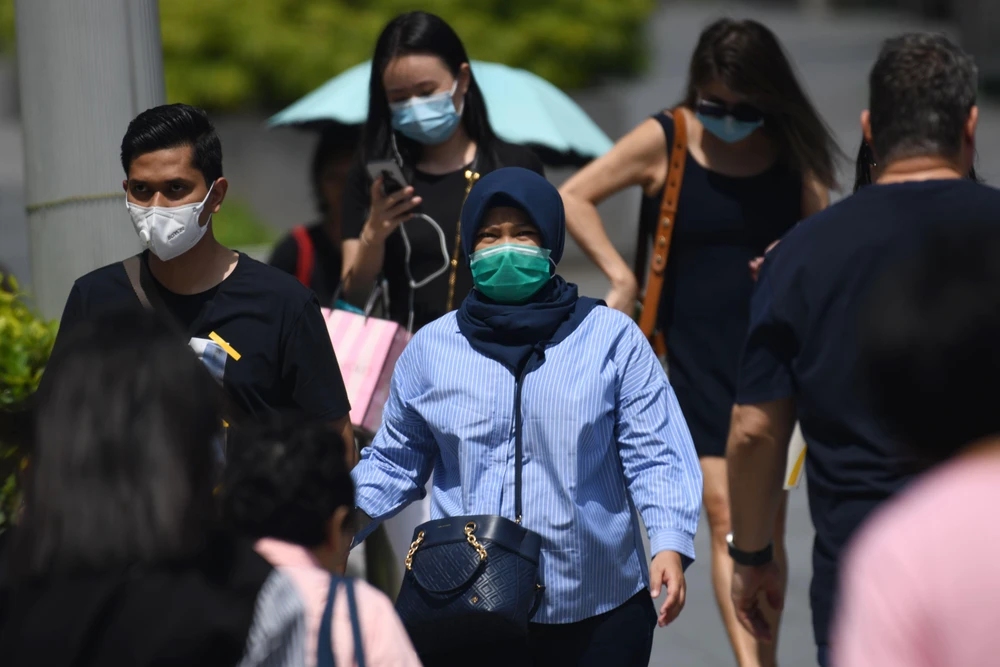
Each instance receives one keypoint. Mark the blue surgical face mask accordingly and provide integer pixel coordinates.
(428, 120)
(728, 128)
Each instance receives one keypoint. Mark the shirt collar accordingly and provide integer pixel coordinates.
(285, 554)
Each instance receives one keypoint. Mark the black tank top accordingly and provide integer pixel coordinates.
(722, 223)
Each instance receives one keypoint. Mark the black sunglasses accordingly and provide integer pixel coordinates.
(719, 109)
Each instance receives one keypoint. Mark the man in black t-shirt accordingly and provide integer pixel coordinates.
(258, 331)
(802, 353)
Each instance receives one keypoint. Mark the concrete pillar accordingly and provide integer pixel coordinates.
(85, 70)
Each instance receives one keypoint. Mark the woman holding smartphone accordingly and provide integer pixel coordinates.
(427, 115)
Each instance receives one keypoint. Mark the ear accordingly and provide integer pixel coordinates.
(971, 124)
(339, 536)
(464, 78)
(125, 185)
(218, 195)
(866, 125)
(340, 524)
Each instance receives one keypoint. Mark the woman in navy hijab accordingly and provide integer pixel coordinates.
(527, 357)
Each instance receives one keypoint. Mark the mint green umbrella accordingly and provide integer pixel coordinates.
(523, 108)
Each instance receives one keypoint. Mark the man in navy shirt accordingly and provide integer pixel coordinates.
(802, 354)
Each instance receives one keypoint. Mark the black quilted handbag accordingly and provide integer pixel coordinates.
(471, 579)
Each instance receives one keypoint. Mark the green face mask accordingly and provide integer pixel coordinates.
(510, 273)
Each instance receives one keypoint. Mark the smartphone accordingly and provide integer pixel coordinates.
(392, 178)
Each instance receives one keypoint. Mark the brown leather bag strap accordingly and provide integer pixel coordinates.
(665, 229)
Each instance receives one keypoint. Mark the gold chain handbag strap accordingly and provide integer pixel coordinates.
(470, 537)
(470, 177)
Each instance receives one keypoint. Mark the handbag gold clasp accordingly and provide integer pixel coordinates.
(413, 549)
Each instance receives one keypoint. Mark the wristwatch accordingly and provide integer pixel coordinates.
(750, 558)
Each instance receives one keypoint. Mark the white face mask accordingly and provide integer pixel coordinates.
(168, 232)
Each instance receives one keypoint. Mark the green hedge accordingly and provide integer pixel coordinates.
(222, 54)
(25, 344)
(236, 225)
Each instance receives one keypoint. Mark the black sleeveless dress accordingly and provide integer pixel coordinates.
(722, 223)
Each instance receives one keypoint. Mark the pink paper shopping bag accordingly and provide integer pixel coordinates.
(367, 349)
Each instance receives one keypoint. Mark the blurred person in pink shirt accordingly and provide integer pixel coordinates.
(920, 587)
(291, 490)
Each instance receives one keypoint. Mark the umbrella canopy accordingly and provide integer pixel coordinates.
(523, 108)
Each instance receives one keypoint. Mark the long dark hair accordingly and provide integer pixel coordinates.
(121, 469)
(865, 160)
(749, 60)
(418, 32)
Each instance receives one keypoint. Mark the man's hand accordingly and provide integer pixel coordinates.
(748, 585)
(666, 570)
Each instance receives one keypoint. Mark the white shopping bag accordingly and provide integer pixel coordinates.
(794, 466)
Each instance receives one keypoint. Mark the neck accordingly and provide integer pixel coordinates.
(200, 268)
(331, 225)
(327, 559)
(980, 449)
(929, 168)
(451, 155)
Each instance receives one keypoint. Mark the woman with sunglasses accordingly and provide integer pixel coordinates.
(759, 159)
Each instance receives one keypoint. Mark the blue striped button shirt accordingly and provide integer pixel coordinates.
(602, 432)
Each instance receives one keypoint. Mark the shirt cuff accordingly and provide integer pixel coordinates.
(673, 540)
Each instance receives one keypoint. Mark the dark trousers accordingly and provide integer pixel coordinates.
(823, 655)
(622, 637)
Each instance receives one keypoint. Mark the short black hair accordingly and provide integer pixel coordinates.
(921, 90)
(170, 126)
(121, 465)
(930, 341)
(285, 482)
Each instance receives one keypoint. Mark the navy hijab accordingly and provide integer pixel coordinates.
(512, 333)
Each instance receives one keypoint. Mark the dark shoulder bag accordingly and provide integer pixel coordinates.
(471, 579)
(324, 646)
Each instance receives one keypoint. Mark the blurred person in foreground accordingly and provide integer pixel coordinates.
(291, 491)
(528, 366)
(802, 356)
(118, 559)
(258, 331)
(933, 361)
(312, 253)
(759, 159)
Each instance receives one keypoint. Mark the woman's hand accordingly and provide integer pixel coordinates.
(758, 262)
(623, 293)
(666, 570)
(387, 212)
